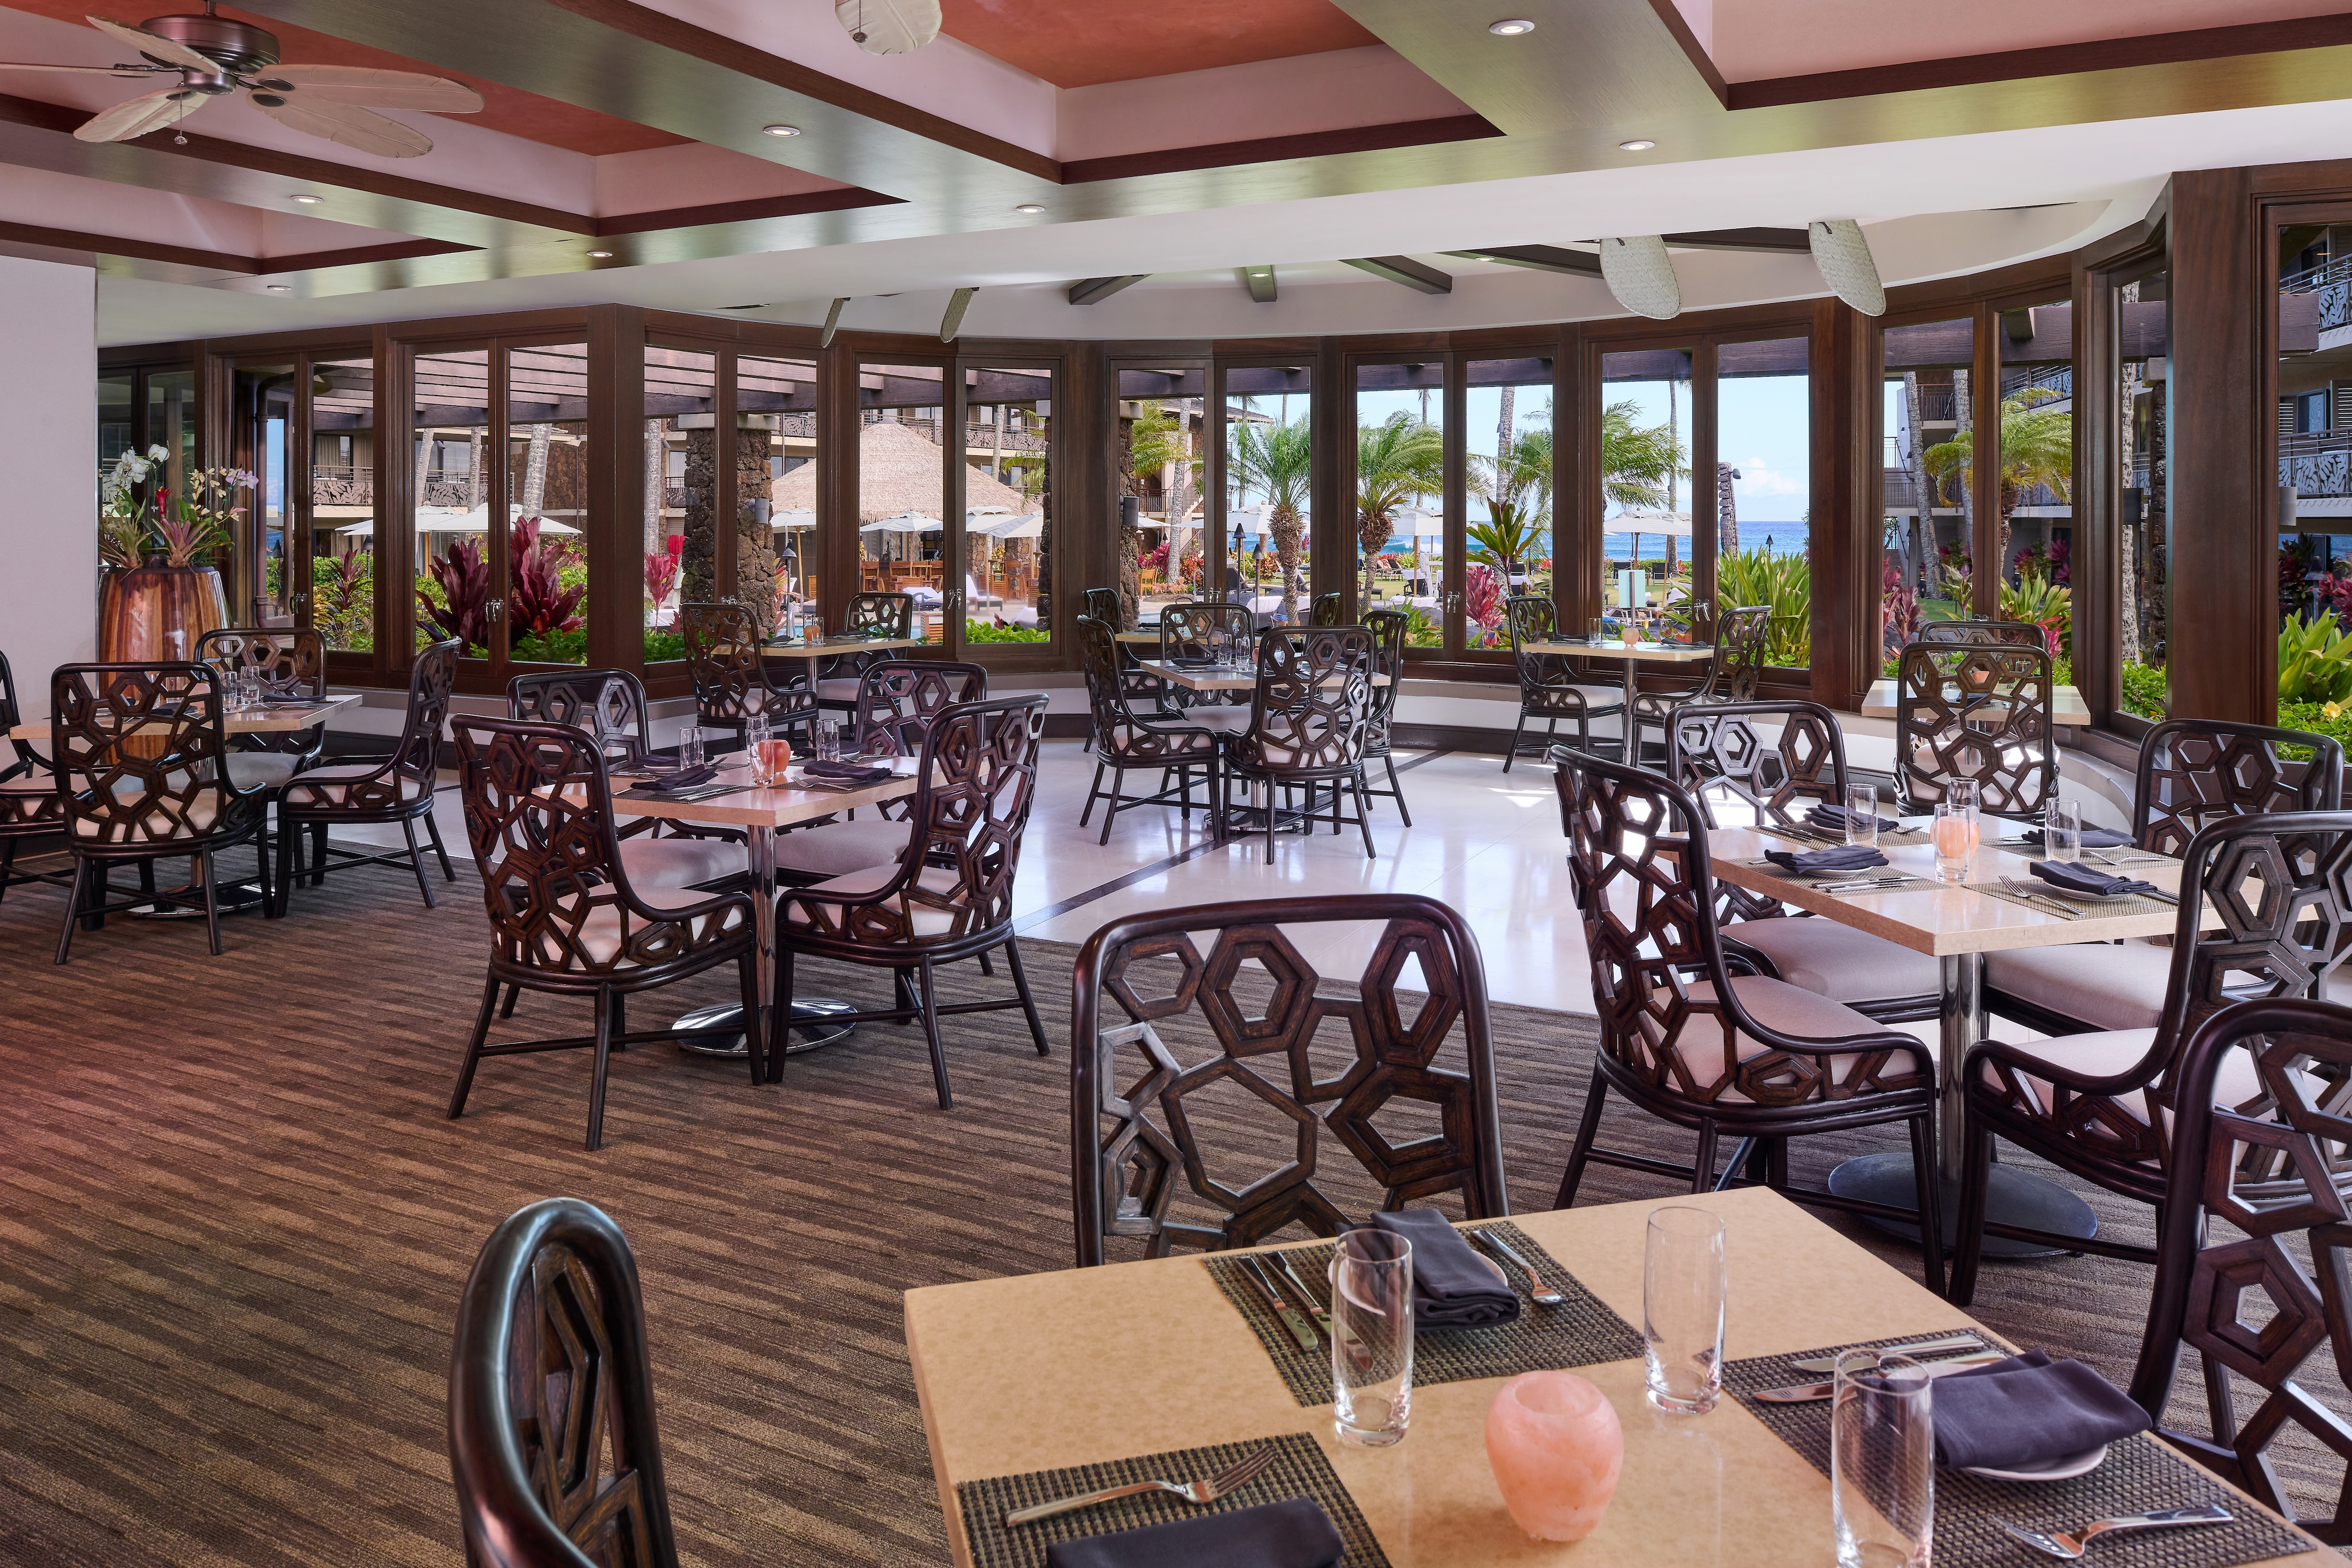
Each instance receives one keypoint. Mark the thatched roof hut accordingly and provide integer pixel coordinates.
(898, 472)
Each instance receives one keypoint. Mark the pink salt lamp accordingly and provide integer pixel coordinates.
(1556, 1447)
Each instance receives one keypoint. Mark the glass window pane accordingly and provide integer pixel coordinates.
(1008, 496)
(2143, 509)
(1399, 523)
(679, 539)
(343, 502)
(2314, 497)
(171, 423)
(1507, 525)
(262, 409)
(1930, 509)
(2037, 473)
(776, 403)
(1161, 415)
(1762, 506)
(1645, 414)
(901, 480)
(547, 503)
(1269, 490)
(121, 541)
(452, 425)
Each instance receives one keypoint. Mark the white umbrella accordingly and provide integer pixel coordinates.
(904, 523)
(791, 522)
(1028, 525)
(477, 521)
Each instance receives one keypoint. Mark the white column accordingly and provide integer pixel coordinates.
(48, 447)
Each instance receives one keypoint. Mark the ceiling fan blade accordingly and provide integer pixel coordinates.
(127, 72)
(138, 116)
(348, 124)
(154, 44)
(375, 88)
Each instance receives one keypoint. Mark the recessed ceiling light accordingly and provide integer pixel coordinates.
(1030, 207)
(780, 130)
(310, 201)
(1639, 144)
(1511, 26)
(275, 287)
(600, 256)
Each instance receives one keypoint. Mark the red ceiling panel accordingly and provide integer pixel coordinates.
(1080, 43)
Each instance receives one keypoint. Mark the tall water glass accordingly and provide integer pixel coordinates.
(254, 687)
(1371, 1337)
(1957, 836)
(1882, 1461)
(1681, 1309)
(689, 747)
(828, 740)
(1861, 815)
(2061, 829)
(755, 747)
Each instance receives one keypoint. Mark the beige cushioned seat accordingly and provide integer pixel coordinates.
(600, 934)
(1837, 961)
(680, 863)
(325, 783)
(2109, 986)
(1775, 1004)
(837, 848)
(923, 920)
(2111, 1052)
(838, 689)
(268, 768)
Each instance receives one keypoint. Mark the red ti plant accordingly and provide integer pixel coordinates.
(464, 578)
(542, 603)
(661, 576)
(1900, 611)
(1482, 595)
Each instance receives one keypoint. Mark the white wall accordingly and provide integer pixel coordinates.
(48, 449)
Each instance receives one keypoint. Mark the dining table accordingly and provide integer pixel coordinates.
(1205, 677)
(2066, 705)
(760, 812)
(1634, 656)
(1957, 923)
(1042, 1385)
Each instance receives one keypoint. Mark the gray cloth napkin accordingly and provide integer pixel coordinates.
(2093, 838)
(1812, 862)
(1835, 817)
(1293, 1533)
(2028, 1410)
(2076, 877)
(1452, 1286)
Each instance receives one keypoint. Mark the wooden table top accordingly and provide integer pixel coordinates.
(1946, 919)
(1670, 653)
(1140, 638)
(777, 808)
(2066, 703)
(1045, 1371)
(243, 721)
(829, 647)
(1241, 678)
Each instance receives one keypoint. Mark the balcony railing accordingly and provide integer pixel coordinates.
(342, 486)
(2316, 464)
(2333, 284)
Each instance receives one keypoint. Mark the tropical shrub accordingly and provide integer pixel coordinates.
(551, 647)
(1899, 614)
(2145, 691)
(1784, 584)
(2314, 661)
(455, 594)
(2037, 601)
(984, 631)
(661, 647)
(1482, 595)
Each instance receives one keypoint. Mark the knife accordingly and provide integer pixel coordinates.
(1917, 1347)
(1315, 1308)
(1805, 1393)
(1300, 1329)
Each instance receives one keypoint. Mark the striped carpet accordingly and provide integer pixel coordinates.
(234, 1226)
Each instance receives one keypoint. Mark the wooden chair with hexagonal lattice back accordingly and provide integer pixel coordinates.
(2196, 771)
(553, 1439)
(2259, 1295)
(1226, 982)
(1979, 713)
(1732, 755)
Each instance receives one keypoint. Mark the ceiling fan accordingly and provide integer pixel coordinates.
(212, 55)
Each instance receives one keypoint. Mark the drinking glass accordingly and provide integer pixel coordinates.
(1956, 837)
(828, 740)
(1861, 815)
(1598, 632)
(1681, 1309)
(1882, 1461)
(254, 687)
(2061, 829)
(755, 746)
(1371, 1337)
(689, 747)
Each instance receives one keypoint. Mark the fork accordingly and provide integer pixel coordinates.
(2040, 900)
(2067, 1547)
(1538, 1287)
(1194, 1492)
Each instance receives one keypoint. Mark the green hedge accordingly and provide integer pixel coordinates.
(982, 632)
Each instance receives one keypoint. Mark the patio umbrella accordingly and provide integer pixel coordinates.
(477, 521)
(792, 522)
(904, 523)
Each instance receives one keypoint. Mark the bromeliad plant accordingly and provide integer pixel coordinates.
(2314, 661)
(1782, 583)
(199, 520)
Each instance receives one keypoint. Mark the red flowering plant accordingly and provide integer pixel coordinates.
(462, 610)
(542, 603)
(1482, 595)
(661, 578)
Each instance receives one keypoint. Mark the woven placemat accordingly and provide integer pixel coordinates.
(2141, 1474)
(1821, 838)
(2106, 909)
(1300, 1471)
(1830, 878)
(1580, 1332)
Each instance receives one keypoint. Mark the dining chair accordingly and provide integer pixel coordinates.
(1548, 688)
(1176, 744)
(900, 700)
(1742, 638)
(731, 681)
(947, 895)
(1177, 1013)
(1389, 629)
(553, 1444)
(30, 807)
(1770, 762)
(2286, 1248)
(883, 615)
(1976, 712)
(1103, 604)
(1982, 633)
(395, 788)
(1311, 719)
(566, 917)
(140, 759)
(1201, 631)
(2101, 1105)
(291, 663)
(1689, 1042)
(1324, 610)
(2191, 773)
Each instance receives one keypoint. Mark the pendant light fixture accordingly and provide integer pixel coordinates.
(1847, 267)
(889, 26)
(1642, 275)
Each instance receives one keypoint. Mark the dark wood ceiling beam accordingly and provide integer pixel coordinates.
(1796, 240)
(1094, 290)
(1402, 269)
(1538, 258)
(1280, 148)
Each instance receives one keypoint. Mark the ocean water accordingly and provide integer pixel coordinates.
(1785, 538)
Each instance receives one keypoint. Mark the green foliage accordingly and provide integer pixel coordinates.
(2145, 693)
(1635, 460)
(2314, 661)
(661, 647)
(2040, 604)
(2315, 719)
(982, 632)
(1396, 460)
(1517, 489)
(1784, 584)
(551, 648)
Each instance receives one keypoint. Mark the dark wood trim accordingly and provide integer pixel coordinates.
(840, 200)
(616, 465)
(2055, 61)
(1671, 16)
(137, 249)
(357, 255)
(395, 492)
(1984, 397)
(1281, 149)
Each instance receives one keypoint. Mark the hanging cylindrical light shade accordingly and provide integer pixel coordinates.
(1642, 275)
(1847, 267)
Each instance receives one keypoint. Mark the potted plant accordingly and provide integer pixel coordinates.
(156, 610)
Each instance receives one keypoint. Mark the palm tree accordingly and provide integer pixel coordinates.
(1157, 438)
(1637, 465)
(1396, 461)
(1277, 462)
(1516, 489)
(2037, 447)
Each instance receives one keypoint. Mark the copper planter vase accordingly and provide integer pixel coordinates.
(140, 609)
